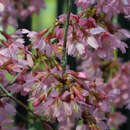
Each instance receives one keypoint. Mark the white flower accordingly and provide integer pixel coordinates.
(29, 60)
(125, 2)
(70, 48)
(92, 42)
(80, 48)
(2, 8)
(96, 30)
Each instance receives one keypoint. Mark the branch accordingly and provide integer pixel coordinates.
(64, 54)
(21, 104)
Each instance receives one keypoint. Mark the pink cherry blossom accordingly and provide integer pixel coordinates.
(6, 109)
(12, 9)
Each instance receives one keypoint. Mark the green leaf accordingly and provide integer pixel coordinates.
(81, 122)
(76, 108)
(34, 52)
(10, 77)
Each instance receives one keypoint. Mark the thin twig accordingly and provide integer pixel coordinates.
(64, 54)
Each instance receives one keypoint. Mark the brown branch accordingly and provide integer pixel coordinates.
(7, 94)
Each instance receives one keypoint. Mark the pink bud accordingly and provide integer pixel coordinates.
(78, 94)
(39, 100)
(81, 75)
(36, 102)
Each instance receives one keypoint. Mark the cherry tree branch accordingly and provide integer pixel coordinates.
(64, 54)
(7, 94)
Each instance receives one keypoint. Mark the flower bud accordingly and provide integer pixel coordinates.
(39, 100)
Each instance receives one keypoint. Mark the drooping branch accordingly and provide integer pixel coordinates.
(7, 94)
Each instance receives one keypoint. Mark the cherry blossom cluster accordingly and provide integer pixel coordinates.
(88, 37)
(120, 83)
(6, 109)
(109, 8)
(87, 96)
(11, 10)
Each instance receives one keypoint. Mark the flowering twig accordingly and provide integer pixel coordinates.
(21, 104)
(64, 54)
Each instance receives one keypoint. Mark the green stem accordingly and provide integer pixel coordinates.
(64, 54)
(4, 91)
